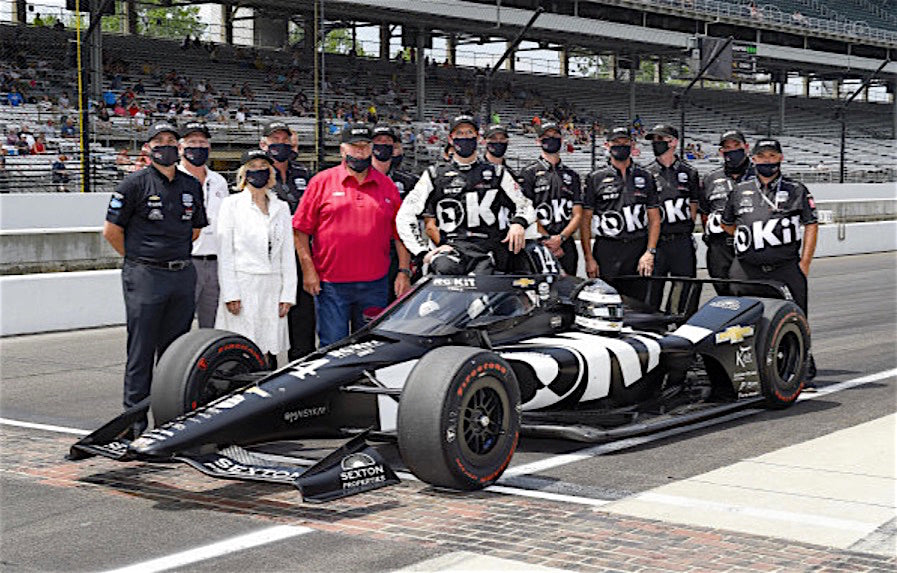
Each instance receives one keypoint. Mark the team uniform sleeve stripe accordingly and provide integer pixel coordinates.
(523, 206)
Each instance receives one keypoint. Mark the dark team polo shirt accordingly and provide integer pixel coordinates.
(158, 215)
(291, 188)
(620, 202)
(677, 187)
(769, 220)
(714, 195)
(554, 190)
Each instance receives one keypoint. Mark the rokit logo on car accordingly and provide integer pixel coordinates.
(360, 470)
(744, 357)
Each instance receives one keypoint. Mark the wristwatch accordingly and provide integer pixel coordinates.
(406, 272)
(653, 250)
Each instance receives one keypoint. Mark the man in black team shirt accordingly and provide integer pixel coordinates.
(715, 190)
(292, 179)
(621, 208)
(465, 196)
(771, 218)
(678, 185)
(556, 192)
(496, 138)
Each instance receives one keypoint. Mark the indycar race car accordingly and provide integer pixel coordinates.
(455, 371)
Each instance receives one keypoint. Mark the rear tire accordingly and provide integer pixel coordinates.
(194, 370)
(782, 349)
(459, 418)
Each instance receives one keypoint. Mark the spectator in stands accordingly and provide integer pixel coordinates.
(109, 97)
(194, 149)
(347, 267)
(291, 181)
(69, 130)
(14, 98)
(40, 146)
(257, 267)
(122, 157)
(678, 187)
(240, 116)
(556, 192)
(63, 101)
(59, 174)
(12, 137)
(153, 217)
(799, 19)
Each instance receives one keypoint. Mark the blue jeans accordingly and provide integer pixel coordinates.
(339, 303)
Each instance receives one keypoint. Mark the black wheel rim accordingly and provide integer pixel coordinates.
(483, 418)
(218, 381)
(788, 357)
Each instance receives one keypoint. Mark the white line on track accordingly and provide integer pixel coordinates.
(45, 427)
(217, 549)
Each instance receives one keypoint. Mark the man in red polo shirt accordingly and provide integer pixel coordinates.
(349, 211)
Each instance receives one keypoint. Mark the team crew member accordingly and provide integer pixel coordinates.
(622, 209)
(382, 155)
(715, 190)
(194, 147)
(153, 218)
(556, 191)
(496, 138)
(291, 182)
(678, 186)
(465, 197)
(350, 211)
(765, 215)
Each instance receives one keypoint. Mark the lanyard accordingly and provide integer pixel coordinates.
(773, 206)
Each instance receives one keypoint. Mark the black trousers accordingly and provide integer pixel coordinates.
(301, 322)
(620, 257)
(676, 257)
(159, 306)
(570, 259)
(787, 273)
(720, 254)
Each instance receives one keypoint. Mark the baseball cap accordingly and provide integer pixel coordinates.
(196, 127)
(733, 134)
(251, 154)
(495, 128)
(277, 126)
(766, 145)
(158, 128)
(384, 130)
(355, 132)
(617, 132)
(663, 129)
(462, 119)
(545, 126)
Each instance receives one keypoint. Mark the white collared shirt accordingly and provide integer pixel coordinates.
(214, 191)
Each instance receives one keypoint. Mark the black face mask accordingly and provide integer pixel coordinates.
(358, 165)
(659, 147)
(396, 161)
(280, 151)
(734, 160)
(465, 146)
(497, 148)
(620, 152)
(551, 144)
(165, 155)
(382, 151)
(258, 178)
(196, 155)
(767, 169)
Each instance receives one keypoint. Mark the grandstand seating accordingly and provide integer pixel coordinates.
(810, 133)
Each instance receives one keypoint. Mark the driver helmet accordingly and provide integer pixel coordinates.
(598, 308)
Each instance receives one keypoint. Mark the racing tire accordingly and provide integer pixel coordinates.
(782, 351)
(193, 371)
(459, 418)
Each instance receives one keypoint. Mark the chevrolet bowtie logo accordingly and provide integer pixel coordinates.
(523, 283)
(734, 334)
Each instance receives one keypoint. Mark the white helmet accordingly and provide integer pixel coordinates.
(598, 308)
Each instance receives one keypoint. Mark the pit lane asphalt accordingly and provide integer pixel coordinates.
(74, 379)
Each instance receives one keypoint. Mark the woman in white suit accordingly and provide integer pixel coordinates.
(256, 265)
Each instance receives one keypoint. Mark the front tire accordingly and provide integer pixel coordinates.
(195, 369)
(783, 350)
(459, 418)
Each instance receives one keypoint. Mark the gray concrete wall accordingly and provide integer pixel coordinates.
(47, 250)
(52, 210)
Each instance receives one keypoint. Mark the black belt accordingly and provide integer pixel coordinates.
(769, 268)
(206, 257)
(611, 239)
(673, 237)
(178, 265)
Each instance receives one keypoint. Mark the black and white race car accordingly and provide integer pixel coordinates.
(458, 369)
